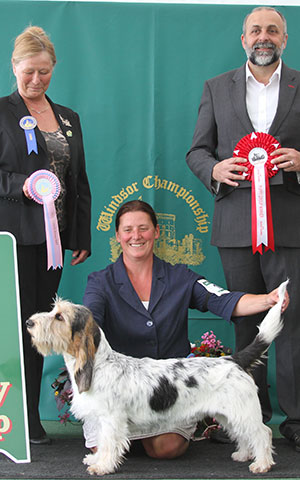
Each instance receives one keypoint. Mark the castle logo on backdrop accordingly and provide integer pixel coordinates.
(186, 250)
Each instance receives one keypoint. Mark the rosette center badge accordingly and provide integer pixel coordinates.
(258, 156)
(43, 187)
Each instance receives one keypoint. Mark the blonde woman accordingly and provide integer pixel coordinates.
(55, 144)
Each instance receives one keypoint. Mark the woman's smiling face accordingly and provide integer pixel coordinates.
(136, 235)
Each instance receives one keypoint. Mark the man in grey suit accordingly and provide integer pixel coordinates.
(261, 96)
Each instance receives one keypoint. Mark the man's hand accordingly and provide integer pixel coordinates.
(288, 160)
(224, 171)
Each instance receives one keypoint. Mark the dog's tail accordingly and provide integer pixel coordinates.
(268, 330)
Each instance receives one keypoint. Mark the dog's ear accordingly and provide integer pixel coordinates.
(86, 338)
(83, 377)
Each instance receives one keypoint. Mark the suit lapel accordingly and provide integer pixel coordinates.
(237, 92)
(19, 110)
(66, 126)
(158, 283)
(287, 92)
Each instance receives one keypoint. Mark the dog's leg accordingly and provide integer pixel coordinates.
(112, 443)
(243, 422)
(254, 441)
(262, 450)
(243, 452)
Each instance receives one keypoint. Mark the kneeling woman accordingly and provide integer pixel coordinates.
(142, 302)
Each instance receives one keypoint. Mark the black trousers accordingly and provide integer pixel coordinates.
(261, 274)
(37, 291)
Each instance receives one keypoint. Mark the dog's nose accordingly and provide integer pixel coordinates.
(29, 323)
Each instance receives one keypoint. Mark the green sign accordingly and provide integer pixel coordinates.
(14, 438)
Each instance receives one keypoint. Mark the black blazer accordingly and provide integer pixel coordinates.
(222, 121)
(23, 217)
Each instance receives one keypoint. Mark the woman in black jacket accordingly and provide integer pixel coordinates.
(54, 144)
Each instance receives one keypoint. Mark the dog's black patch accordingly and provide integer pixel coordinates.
(178, 366)
(249, 356)
(164, 395)
(83, 377)
(191, 382)
(80, 318)
(96, 335)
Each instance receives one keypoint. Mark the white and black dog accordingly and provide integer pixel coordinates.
(117, 390)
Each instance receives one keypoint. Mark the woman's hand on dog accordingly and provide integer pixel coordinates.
(273, 298)
(250, 304)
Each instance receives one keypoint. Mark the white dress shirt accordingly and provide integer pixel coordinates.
(262, 100)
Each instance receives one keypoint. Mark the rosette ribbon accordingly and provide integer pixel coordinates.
(256, 149)
(28, 124)
(44, 188)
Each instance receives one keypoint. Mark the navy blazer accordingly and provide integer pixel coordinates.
(162, 330)
(20, 216)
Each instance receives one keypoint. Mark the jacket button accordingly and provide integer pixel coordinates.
(149, 323)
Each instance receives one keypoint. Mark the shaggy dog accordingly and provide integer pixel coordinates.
(116, 390)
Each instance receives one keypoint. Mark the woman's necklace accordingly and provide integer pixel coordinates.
(40, 111)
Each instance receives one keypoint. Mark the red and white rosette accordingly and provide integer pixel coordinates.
(256, 149)
(44, 188)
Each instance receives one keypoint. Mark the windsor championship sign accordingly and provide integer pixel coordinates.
(14, 438)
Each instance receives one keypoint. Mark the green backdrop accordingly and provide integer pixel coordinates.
(134, 73)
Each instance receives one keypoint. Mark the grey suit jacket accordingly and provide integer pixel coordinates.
(222, 121)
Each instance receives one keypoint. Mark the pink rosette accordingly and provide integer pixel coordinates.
(44, 188)
(256, 149)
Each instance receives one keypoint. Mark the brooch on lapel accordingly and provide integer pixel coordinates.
(65, 121)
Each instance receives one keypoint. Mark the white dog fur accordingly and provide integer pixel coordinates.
(116, 390)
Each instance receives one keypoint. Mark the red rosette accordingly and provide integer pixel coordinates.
(256, 148)
(257, 140)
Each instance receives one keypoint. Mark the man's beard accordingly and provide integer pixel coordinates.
(263, 58)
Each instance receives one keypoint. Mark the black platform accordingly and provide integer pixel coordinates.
(203, 460)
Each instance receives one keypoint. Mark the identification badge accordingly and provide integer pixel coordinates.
(212, 288)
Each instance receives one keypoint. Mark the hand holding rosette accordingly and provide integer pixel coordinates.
(44, 188)
(256, 148)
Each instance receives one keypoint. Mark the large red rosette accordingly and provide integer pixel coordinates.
(256, 149)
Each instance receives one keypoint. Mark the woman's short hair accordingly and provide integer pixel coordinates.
(136, 206)
(32, 41)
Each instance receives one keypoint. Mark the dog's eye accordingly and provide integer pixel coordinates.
(58, 316)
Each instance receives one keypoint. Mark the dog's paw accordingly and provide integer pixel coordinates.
(89, 459)
(260, 467)
(96, 469)
(240, 456)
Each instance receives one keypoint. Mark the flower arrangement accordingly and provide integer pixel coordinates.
(209, 346)
(63, 395)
